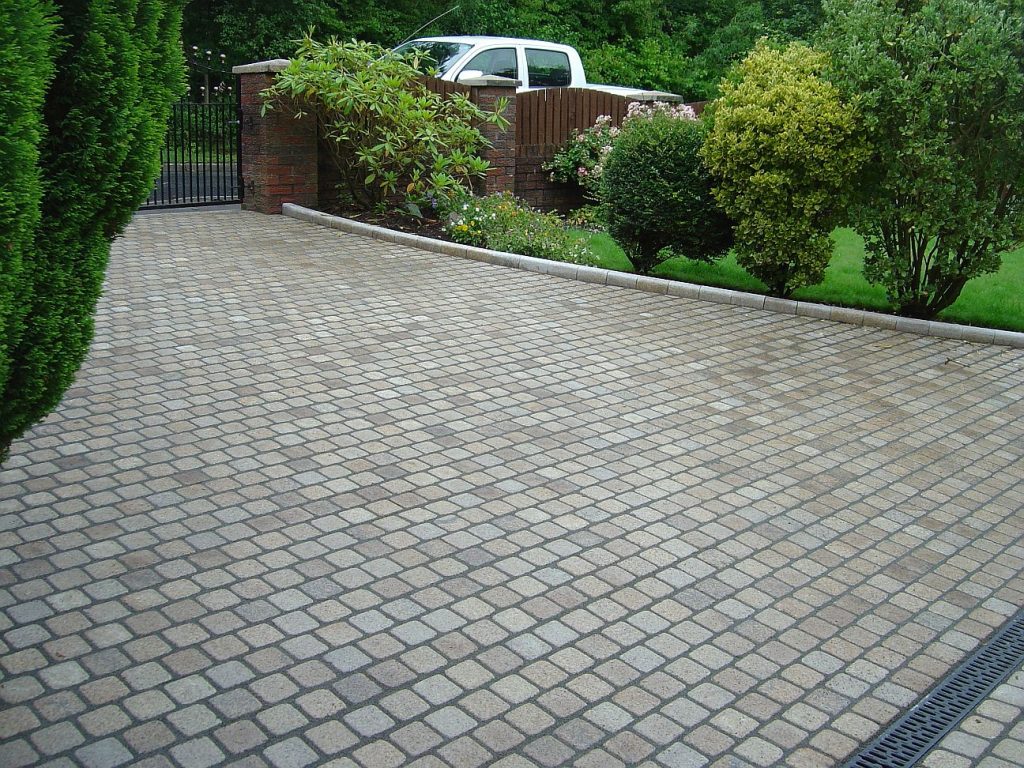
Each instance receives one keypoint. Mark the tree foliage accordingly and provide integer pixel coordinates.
(941, 86)
(117, 66)
(683, 46)
(26, 68)
(782, 149)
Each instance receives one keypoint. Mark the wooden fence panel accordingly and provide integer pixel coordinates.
(550, 115)
(444, 88)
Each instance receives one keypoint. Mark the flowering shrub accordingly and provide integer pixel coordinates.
(504, 223)
(582, 160)
(646, 110)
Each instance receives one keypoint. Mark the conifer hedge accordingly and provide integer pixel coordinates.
(86, 151)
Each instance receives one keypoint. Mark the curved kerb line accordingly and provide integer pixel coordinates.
(846, 315)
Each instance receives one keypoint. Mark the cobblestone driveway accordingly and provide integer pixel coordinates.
(317, 497)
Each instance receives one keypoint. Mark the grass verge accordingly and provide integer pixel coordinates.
(995, 301)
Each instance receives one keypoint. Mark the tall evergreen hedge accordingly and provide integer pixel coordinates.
(26, 69)
(116, 69)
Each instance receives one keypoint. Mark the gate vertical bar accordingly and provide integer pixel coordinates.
(238, 139)
(172, 187)
(223, 127)
(202, 112)
(206, 153)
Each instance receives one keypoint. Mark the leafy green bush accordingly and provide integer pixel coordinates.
(657, 191)
(502, 222)
(782, 149)
(581, 160)
(105, 114)
(941, 86)
(385, 132)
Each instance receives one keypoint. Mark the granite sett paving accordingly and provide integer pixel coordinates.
(317, 499)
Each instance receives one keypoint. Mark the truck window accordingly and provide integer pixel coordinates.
(438, 55)
(548, 69)
(500, 62)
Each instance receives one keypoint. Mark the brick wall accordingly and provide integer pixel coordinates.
(534, 184)
(501, 176)
(279, 153)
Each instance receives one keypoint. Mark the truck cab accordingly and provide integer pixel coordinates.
(535, 63)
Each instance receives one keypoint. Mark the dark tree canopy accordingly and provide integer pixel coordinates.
(684, 46)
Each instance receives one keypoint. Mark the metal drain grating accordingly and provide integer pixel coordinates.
(907, 740)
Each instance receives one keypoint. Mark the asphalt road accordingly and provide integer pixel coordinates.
(200, 183)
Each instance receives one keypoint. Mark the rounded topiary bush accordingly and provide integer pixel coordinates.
(658, 191)
(783, 148)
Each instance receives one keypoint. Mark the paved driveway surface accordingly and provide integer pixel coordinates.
(318, 497)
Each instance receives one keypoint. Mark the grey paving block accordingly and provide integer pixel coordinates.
(368, 721)
(290, 753)
(105, 753)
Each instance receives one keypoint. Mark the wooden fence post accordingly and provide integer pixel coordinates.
(279, 152)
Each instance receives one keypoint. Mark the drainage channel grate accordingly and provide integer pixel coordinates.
(908, 739)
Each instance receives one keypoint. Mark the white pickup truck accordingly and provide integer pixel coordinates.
(534, 63)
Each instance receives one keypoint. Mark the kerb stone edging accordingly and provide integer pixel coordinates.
(658, 285)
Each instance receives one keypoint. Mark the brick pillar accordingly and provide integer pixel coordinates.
(279, 152)
(485, 93)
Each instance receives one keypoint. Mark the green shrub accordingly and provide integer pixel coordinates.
(941, 86)
(385, 132)
(502, 222)
(26, 68)
(782, 149)
(657, 191)
(118, 70)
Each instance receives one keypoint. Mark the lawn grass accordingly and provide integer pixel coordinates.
(995, 300)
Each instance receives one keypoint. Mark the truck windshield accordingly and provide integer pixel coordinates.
(439, 54)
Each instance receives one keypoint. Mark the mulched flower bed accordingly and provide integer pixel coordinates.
(401, 222)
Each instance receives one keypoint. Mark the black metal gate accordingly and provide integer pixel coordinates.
(200, 160)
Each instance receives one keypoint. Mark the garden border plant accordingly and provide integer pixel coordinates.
(82, 158)
(656, 189)
(782, 147)
(503, 222)
(392, 140)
